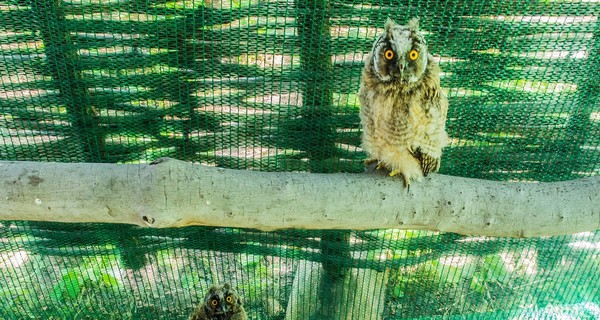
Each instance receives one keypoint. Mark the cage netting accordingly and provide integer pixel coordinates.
(272, 85)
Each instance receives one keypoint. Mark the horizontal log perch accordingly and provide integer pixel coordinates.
(172, 193)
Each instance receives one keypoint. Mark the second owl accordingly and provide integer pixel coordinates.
(220, 303)
(403, 109)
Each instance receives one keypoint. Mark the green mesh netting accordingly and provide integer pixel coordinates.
(271, 85)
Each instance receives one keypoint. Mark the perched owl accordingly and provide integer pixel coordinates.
(403, 110)
(220, 303)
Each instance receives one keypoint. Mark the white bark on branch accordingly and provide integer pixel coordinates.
(173, 193)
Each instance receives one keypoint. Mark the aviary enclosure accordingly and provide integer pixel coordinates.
(255, 103)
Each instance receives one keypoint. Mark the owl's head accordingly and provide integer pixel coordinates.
(400, 53)
(221, 300)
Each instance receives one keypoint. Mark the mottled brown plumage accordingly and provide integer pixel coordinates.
(220, 303)
(403, 109)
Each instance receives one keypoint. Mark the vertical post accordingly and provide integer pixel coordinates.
(62, 56)
(317, 136)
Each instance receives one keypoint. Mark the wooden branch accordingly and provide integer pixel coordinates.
(172, 193)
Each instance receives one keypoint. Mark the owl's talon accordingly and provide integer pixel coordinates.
(380, 165)
(395, 172)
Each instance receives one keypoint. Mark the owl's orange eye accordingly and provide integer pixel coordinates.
(413, 55)
(229, 299)
(389, 54)
(214, 302)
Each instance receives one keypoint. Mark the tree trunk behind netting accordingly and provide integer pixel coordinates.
(337, 292)
(65, 67)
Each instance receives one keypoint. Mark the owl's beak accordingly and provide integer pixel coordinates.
(397, 72)
(219, 310)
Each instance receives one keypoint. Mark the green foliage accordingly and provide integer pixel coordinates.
(94, 273)
(78, 282)
(69, 287)
(491, 271)
(481, 280)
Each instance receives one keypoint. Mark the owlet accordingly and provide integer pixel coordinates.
(220, 303)
(403, 109)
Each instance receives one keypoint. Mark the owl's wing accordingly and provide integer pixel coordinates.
(437, 100)
(428, 163)
(429, 150)
(443, 105)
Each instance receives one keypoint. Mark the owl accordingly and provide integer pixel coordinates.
(403, 109)
(220, 303)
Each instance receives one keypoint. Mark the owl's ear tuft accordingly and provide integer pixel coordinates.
(389, 23)
(413, 24)
(212, 290)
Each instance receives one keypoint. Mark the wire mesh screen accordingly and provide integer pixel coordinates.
(272, 85)
(53, 271)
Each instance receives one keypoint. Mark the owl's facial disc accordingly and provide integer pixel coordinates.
(219, 302)
(222, 308)
(400, 55)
